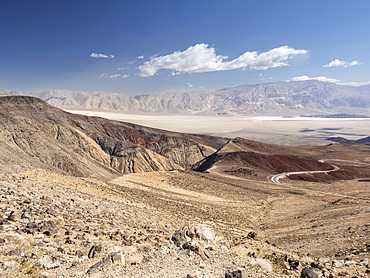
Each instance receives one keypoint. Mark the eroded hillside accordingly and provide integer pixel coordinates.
(37, 135)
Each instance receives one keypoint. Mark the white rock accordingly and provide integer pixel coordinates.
(40, 236)
(264, 264)
(206, 232)
(52, 265)
(118, 258)
(338, 263)
(347, 263)
(135, 259)
(10, 263)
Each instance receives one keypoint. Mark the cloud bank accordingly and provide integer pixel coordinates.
(330, 80)
(202, 58)
(355, 84)
(318, 78)
(339, 63)
(100, 55)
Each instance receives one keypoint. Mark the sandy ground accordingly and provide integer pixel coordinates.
(278, 130)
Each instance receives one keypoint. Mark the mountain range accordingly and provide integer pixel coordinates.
(278, 98)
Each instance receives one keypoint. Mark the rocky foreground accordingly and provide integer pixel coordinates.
(59, 226)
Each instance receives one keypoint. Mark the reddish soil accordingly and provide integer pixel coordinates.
(344, 173)
(259, 166)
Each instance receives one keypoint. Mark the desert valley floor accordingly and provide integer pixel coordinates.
(267, 129)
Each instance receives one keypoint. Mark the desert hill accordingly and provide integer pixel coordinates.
(37, 135)
(245, 158)
(248, 159)
(278, 98)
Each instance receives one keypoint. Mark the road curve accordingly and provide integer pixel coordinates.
(275, 179)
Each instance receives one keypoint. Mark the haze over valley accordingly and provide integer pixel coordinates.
(270, 113)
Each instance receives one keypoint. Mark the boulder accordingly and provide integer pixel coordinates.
(48, 228)
(201, 234)
(309, 273)
(196, 248)
(79, 253)
(14, 216)
(95, 249)
(116, 258)
(264, 264)
(293, 263)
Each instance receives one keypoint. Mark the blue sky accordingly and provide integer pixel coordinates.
(136, 47)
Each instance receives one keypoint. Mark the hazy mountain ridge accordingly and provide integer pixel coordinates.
(293, 98)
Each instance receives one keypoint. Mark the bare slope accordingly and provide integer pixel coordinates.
(254, 160)
(83, 227)
(37, 135)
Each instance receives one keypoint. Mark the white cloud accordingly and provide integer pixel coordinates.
(132, 62)
(96, 55)
(201, 58)
(123, 68)
(318, 78)
(190, 85)
(113, 76)
(339, 63)
(141, 57)
(355, 84)
(331, 80)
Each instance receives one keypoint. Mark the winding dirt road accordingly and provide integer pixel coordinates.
(275, 179)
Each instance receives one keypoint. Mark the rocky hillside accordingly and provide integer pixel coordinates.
(279, 98)
(83, 227)
(35, 134)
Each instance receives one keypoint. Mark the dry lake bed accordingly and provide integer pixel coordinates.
(268, 129)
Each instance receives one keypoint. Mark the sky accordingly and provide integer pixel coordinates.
(153, 47)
